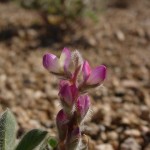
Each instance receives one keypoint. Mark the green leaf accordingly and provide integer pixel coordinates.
(32, 139)
(7, 131)
(52, 142)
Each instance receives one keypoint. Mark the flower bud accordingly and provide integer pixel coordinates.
(82, 106)
(61, 121)
(68, 94)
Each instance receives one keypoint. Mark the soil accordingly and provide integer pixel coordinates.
(120, 39)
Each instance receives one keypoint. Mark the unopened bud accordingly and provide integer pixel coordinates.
(62, 124)
(82, 106)
(68, 94)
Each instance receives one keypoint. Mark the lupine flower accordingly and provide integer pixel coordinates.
(55, 65)
(93, 76)
(74, 105)
(68, 94)
(82, 106)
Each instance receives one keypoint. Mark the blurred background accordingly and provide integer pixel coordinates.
(115, 33)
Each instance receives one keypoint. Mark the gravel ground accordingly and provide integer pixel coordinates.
(120, 116)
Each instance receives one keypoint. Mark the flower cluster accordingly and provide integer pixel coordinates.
(76, 78)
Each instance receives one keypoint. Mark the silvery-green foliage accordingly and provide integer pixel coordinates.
(7, 131)
(32, 140)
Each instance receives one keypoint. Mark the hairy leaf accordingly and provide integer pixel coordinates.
(7, 131)
(32, 139)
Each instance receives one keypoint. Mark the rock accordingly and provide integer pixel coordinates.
(130, 144)
(120, 35)
(104, 147)
(119, 91)
(103, 136)
(112, 135)
(98, 116)
(145, 113)
(132, 132)
(38, 94)
(34, 123)
(130, 84)
(51, 92)
(144, 129)
(93, 130)
(92, 41)
(141, 32)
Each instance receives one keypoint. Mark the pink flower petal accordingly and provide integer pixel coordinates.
(65, 59)
(62, 83)
(86, 69)
(97, 75)
(83, 104)
(50, 62)
(74, 91)
(68, 93)
(65, 94)
(61, 117)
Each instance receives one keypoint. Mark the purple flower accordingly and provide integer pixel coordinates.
(82, 105)
(55, 65)
(86, 69)
(68, 93)
(76, 76)
(93, 76)
(50, 62)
